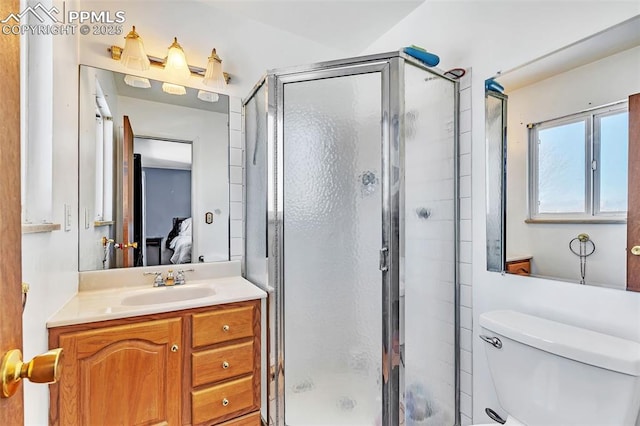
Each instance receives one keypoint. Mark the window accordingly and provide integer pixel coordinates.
(578, 166)
(104, 145)
(37, 127)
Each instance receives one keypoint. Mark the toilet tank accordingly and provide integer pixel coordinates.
(548, 373)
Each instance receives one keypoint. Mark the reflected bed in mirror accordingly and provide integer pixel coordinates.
(561, 128)
(154, 173)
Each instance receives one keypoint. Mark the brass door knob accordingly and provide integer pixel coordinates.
(225, 365)
(225, 402)
(225, 328)
(635, 250)
(43, 368)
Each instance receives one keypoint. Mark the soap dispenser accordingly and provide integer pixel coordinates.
(169, 280)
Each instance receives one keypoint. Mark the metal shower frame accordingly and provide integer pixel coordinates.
(391, 66)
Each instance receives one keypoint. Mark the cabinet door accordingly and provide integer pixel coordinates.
(122, 375)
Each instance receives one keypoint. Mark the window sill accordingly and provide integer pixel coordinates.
(34, 228)
(578, 221)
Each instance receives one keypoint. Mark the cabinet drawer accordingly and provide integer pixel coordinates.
(252, 419)
(221, 326)
(220, 401)
(222, 363)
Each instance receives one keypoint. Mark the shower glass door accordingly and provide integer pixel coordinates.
(331, 198)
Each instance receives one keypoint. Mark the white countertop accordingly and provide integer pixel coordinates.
(101, 305)
(518, 257)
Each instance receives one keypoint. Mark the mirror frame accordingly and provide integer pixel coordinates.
(496, 225)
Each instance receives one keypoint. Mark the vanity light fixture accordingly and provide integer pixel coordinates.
(133, 56)
(176, 63)
(205, 96)
(138, 82)
(214, 76)
(173, 89)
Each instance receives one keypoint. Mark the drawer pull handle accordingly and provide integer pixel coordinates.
(225, 365)
(174, 348)
(225, 402)
(225, 328)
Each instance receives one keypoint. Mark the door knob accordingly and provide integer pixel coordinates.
(635, 250)
(43, 368)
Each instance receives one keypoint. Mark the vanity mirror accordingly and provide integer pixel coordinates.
(154, 173)
(560, 151)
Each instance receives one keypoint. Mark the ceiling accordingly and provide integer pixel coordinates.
(618, 38)
(350, 26)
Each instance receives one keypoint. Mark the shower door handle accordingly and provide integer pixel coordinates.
(384, 259)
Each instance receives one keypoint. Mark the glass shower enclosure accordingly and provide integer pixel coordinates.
(351, 228)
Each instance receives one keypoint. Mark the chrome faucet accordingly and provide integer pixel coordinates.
(180, 276)
(170, 279)
(158, 281)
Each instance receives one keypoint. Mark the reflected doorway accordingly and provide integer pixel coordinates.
(163, 200)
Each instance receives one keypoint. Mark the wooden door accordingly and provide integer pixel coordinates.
(11, 409)
(633, 211)
(127, 193)
(120, 375)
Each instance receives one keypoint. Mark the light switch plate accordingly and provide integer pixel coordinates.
(67, 217)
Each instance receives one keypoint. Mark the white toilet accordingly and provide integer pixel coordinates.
(547, 373)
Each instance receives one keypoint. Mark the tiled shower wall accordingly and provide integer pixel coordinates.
(466, 316)
(236, 179)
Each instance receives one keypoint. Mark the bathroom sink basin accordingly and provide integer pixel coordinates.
(167, 295)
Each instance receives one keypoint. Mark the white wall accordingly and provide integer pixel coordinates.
(50, 260)
(499, 35)
(209, 133)
(564, 94)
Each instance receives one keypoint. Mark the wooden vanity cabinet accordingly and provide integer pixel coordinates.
(192, 367)
(225, 364)
(519, 267)
(121, 374)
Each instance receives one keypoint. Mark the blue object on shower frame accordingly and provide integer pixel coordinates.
(491, 84)
(422, 55)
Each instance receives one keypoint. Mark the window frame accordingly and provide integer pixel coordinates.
(592, 142)
(104, 157)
